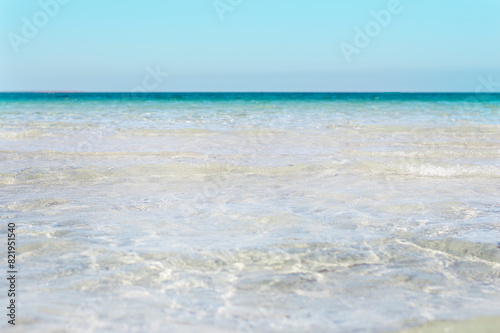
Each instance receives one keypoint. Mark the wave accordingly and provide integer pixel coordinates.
(164, 132)
(482, 325)
(425, 169)
(429, 153)
(199, 170)
(21, 134)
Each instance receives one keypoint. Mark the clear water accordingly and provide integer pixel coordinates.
(251, 212)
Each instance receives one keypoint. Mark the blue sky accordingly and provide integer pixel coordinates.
(248, 45)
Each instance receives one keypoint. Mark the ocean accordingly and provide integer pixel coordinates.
(251, 212)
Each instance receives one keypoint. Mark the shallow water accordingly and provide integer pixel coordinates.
(251, 212)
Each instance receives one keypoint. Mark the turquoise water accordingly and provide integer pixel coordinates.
(251, 212)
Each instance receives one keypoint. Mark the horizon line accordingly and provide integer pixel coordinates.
(243, 92)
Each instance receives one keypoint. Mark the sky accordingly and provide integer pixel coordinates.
(250, 45)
